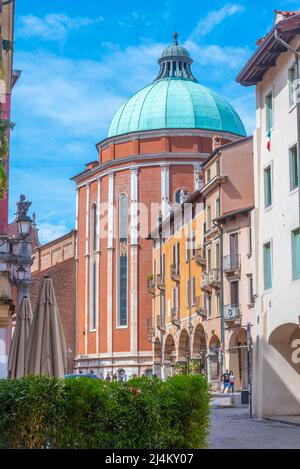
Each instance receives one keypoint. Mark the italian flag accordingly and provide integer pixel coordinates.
(269, 140)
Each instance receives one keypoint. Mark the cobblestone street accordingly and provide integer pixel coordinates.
(232, 429)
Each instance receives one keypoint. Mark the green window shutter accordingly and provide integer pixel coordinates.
(267, 266)
(296, 254)
(269, 111)
(268, 186)
(293, 168)
(292, 85)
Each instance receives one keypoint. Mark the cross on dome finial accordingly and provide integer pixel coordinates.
(175, 38)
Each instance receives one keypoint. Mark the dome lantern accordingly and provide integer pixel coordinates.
(175, 62)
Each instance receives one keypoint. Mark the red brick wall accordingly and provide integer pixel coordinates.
(63, 277)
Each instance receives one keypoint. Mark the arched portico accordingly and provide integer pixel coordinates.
(199, 350)
(183, 346)
(286, 340)
(157, 357)
(213, 359)
(238, 357)
(169, 355)
(278, 375)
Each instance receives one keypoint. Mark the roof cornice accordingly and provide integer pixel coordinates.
(267, 53)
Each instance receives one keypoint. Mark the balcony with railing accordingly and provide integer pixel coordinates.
(214, 277)
(174, 272)
(232, 313)
(161, 284)
(201, 307)
(232, 264)
(175, 316)
(200, 256)
(150, 330)
(151, 284)
(160, 323)
(205, 281)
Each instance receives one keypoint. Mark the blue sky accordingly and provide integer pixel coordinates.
(81, 60)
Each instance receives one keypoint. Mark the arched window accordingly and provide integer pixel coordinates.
(94, 296)
(123, 262)
(94, 210)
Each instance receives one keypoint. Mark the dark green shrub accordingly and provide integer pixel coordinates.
(87, 413)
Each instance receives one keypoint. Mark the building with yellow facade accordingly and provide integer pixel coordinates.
(202, 281)
(179, 312)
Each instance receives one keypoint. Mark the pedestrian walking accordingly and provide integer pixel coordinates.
(108, 378)
(226, 382)
(101, 376)
(231, 381)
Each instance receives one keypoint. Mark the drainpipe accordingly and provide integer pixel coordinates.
(297, 60)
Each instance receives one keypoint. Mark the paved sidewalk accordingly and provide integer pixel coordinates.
(232, 428)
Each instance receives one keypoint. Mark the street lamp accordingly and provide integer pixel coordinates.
(21, 272)
(24, 225)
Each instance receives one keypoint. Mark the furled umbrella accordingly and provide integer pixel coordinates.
(46, 346)
(17, 351)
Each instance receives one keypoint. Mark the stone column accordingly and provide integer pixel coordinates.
(165, 174)
(87, 254)
(134, 261)
(110, 246)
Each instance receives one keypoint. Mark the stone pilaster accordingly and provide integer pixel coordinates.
(134, 261)
(110, 245)
(87, 252)
(165, 190)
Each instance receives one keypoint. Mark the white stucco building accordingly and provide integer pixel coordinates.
(276, 362)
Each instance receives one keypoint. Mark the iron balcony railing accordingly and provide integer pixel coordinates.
(231, 262)
(214, 277)
(175, 315)
(151, 285)
(204, 280)
(174, 271)
(161, 281)
(160, 322)
(200, 256)
(200, 306)
(231, 312)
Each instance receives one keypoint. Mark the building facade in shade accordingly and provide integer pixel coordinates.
(57, 260)
(156, 144)
(274, 69)
(201, 284)
(228, 192)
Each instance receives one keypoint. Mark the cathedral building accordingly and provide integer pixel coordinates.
(156, 144)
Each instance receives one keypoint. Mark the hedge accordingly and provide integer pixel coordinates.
(42, 412)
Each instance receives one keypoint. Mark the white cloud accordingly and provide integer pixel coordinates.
(215, 55)
(214, 18)
(50, 231)
(54, 26)
(63, 106)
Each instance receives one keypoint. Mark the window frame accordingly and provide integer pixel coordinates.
(292, 101)
(296, 174)
(118, 290)
(267, 287)
(269, 167)
(267, 121)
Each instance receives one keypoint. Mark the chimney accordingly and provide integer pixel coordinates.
(216, 142)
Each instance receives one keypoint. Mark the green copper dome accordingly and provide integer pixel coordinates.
(175, 100)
